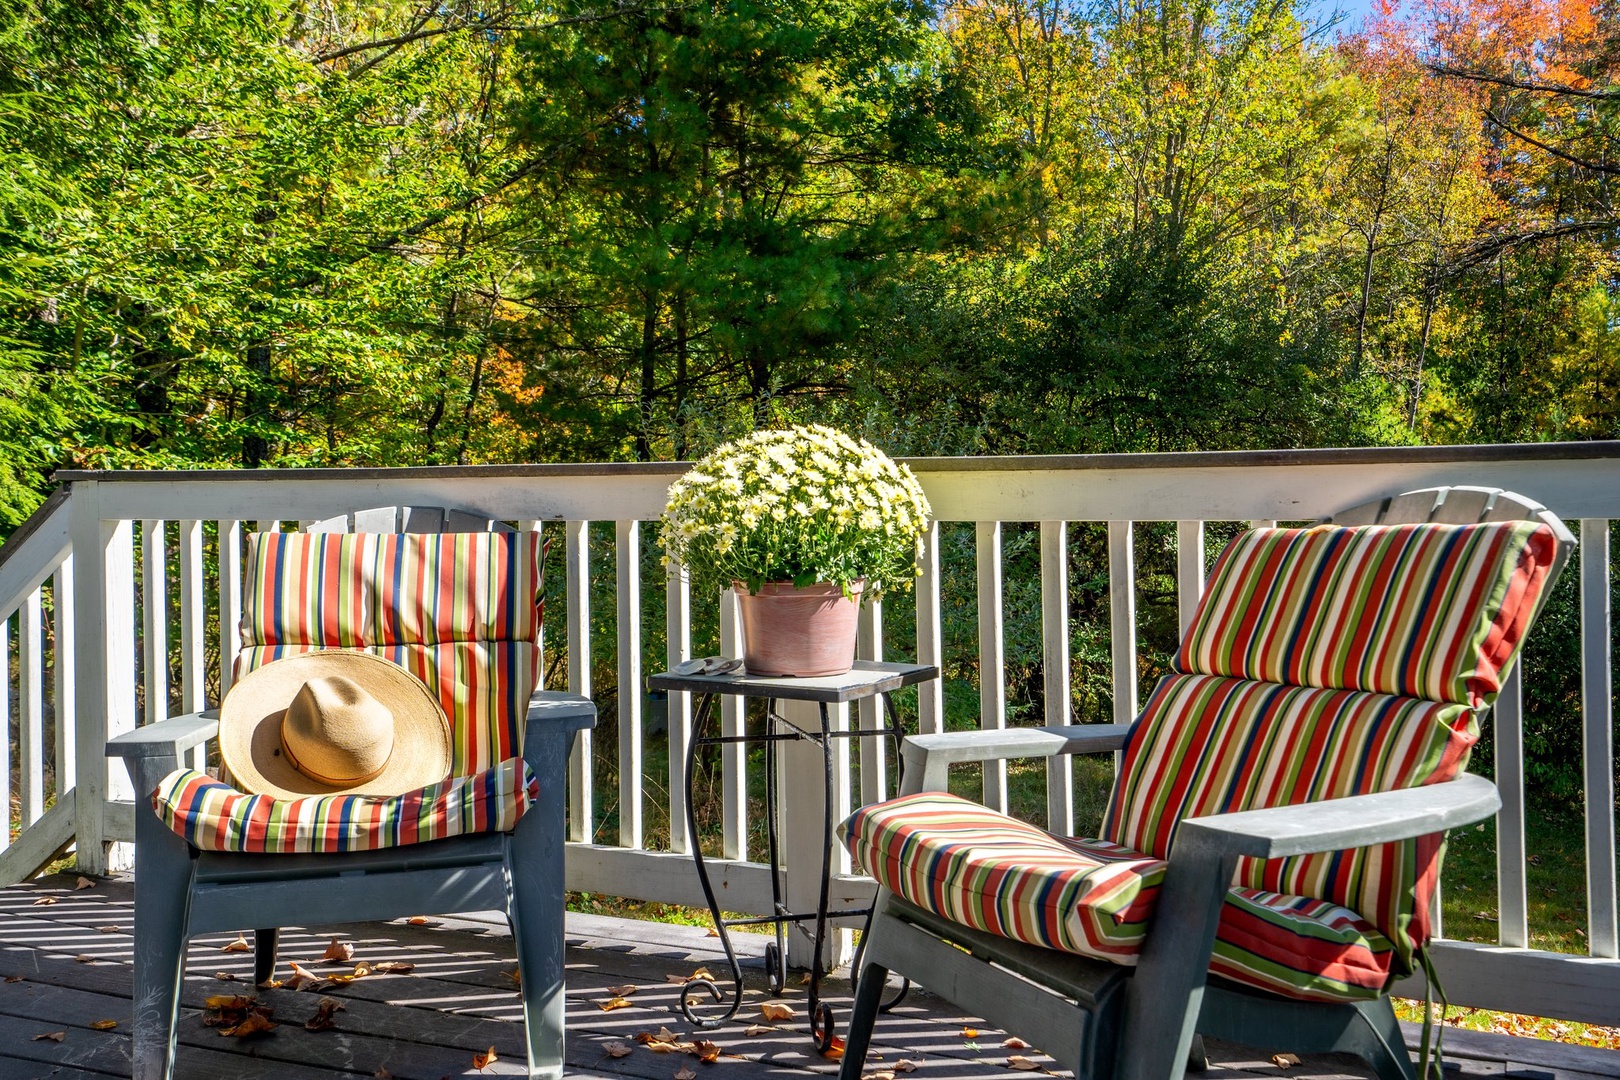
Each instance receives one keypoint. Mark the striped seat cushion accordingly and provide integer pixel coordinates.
(214, 816)
(1000, 875)
(994, 873)
(1208, 745)
(1424, 611)
(461, 611)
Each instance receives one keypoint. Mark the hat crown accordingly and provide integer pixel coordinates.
(336, 732)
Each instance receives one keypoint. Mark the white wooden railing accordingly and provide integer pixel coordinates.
(87, 615)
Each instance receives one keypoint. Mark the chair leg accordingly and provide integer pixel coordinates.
(162, 906)
(1377, 1040)
(264, 954)
(1198, 1060)
(868, 999)
(535, 905)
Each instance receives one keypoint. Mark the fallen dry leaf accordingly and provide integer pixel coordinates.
(15, 978)
(83, 883)
(258, 1022)
(623, 991)
(361, 970)
(700, 973)
(970, 1033)
(53, 1036)
(712, 932)
(104, 1025)
(270, 984)
(663, 1035)
(339, 952)
(835, 1049)
(394, 967)
(111, 929)
(686, 1072)
(678, 980)
(304, 979)
(1022, 1064)
(1015, 1043)
(241, 944)
(774, 1010)
(757, 1029)
(44, 900)
(423, 920)
(706, 1051)
(616, 1048)
(905, 1065)
(322, 1020)
(83, 959)
(662, 1046)
(516, 975)
(227, 1002)
(613, 1003)
(878, 1074)
(1283, 1061)
(383, 1074)
(484, 1060)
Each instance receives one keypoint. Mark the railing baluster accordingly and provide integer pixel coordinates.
(155, 619)
(1597, 716)
(1189, 569)
(1512, 908)
(733, 756)
(230, 602)
(30, 709)
(930, 697)
(627, 555)
(678, 706)
(193, 669)
(1055, 670)
(992, 643)
(577, 586)
(874, 748)
(1122, 619)
(1262, 523)
(67, 699)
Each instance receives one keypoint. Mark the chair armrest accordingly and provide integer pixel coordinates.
(928, 756)
(552, 709)
(167, 738)
(1337, 824)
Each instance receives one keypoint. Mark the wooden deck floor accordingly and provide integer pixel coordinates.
(64, 966)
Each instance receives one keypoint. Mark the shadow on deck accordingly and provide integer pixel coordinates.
(64, 959)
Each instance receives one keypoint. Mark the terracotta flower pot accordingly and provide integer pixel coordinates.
(792, 631)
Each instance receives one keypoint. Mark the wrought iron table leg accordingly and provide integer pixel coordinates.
(776, 952)
(821, 1015)
(699, 722)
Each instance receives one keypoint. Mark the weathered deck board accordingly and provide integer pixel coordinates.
(461, 1000)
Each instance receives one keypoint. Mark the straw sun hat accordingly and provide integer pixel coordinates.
(333, 722)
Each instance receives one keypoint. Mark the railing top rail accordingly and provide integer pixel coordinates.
(1224, 459)
(43, 537)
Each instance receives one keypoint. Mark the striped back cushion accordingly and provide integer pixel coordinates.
(1205, 744)
(1424, 611)
(461, 611)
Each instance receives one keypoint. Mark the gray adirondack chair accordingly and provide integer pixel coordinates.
(182, 892)
(1104, 1020)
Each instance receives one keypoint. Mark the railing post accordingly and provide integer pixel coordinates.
(577, 586)
(627, 556)
(66, 676)
(104, 605)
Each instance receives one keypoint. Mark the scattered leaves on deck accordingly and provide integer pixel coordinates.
(104, 1025)
(834, 1050)
(757, 1029)
(878, 1074)
(706, 1051)
(614, 1003)
(686, 1072)
(484, 1060)
(1283, 1061)
(423, 920)
(970, 1033)
(111, 929)
(905, 1065)
(225, 976)
(303, 978)
(383, 1074)
(83, 958)
(393, 967)
(83, 883)
(775, 1010)
(15, 978)
(238, 1015)
(1014, 1043)
(1022, 1064)
(616, 1048)
(339, 952)
(53, 1036)
(42, 901)
(322, 1020)
(623, 991)
(241, 944)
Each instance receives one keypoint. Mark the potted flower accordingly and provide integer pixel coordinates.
(801, 522)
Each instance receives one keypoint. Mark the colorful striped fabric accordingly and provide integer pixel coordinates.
(216, 817)
(994, 873)
(1208, 745)
(461, 611)
(1425, 611)
(1000, 875)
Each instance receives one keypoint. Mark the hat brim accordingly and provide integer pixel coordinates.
(250, 726)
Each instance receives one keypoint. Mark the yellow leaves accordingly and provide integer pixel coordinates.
(775, 1010)
(970, 1033)
(238, 1015)
(757, 1029)
(613, 1003)
(103, 1025)
(834, 1050)
(484, 1060)
(241, 944)
(422, 920)
(1022, 1064)
(665, 1041)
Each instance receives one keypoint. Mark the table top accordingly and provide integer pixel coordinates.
(866, 679)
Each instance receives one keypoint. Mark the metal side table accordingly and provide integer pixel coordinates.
(865, 680)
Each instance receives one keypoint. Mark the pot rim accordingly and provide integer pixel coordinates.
(778, 588)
